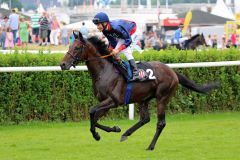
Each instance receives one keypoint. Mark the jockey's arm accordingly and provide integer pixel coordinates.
(125, 36)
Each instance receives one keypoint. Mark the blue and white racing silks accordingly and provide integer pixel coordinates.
(178, 35)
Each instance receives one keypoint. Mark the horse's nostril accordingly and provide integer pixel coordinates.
(62, 65)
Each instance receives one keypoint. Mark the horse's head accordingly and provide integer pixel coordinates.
(77, 52)
(196, 41)
(202, 40)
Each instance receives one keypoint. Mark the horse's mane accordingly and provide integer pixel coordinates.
(192, 38)
(99, 44)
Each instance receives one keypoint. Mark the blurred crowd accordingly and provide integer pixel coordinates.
(233, 40)
(45, 29)
(41, 29)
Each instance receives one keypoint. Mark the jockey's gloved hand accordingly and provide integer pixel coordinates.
(115, 52)
(110, 48)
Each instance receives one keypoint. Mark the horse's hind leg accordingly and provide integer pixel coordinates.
(144, 118)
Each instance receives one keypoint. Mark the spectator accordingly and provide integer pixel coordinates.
(224, 41)
(55, 30)
(84, 30)
(9, 44)
(64, 34)
(35, 26)
(150, 39)
(238, 40)
(234, 39)
(214, 41)
(49, 29)
(228, 43)
(43, 21)
(209, 41)
(4, 27)
(23, 31)
(142, 40)
(14, 24)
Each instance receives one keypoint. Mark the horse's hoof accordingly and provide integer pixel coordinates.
(116, 129)
(150, 148)
(96, 136)
(123, 138)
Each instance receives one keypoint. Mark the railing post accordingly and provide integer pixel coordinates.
(131, 111)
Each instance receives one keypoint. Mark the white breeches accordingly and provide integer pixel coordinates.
(181, 40)
(54, 36)
(127, 51)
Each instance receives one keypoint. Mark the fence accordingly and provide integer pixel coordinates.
(84, 68)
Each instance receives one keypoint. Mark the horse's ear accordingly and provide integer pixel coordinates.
(75, 34)
(81, 37)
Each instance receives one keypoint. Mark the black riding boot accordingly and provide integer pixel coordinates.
(133, 65)
(121, 68)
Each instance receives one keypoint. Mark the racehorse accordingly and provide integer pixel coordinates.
(109, 86)
(192, 43)
(195, 41)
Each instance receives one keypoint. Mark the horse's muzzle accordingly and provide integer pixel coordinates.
(64, 66)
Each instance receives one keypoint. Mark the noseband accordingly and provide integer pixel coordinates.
(76, 58)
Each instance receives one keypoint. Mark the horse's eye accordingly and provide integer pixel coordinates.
(77, 48)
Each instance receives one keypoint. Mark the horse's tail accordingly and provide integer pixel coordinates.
(205, 89)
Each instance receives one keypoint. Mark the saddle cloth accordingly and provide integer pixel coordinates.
(145, 71)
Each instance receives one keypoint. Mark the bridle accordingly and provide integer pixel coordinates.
(76, 58)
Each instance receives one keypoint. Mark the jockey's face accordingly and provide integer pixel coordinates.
(101, 26)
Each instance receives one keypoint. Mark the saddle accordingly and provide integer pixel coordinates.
(145, 70)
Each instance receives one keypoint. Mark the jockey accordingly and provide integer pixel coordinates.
(178, 37)
(118, 33)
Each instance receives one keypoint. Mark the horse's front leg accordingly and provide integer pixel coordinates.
(96, 112)
(108, 129)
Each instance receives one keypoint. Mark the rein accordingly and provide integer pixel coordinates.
(77, 59)
(100, 57)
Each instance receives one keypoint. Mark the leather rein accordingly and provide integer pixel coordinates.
(77, 59)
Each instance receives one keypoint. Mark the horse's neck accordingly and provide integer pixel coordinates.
(192, 40)
(97, 66)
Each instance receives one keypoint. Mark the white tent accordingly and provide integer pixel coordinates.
(237, 6)
(222, 10)
(76, 26)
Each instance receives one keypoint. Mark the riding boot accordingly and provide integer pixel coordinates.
(135, 73)
(121, 68)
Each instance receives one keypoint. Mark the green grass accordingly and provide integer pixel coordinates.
(186, 137)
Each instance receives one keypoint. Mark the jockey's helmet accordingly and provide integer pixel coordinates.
(100, 18)
(181, 25)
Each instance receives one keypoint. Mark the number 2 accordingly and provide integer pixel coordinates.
(150, 73)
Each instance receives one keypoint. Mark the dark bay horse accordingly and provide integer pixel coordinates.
(109, 86)
(195, 41)
(192, 43)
